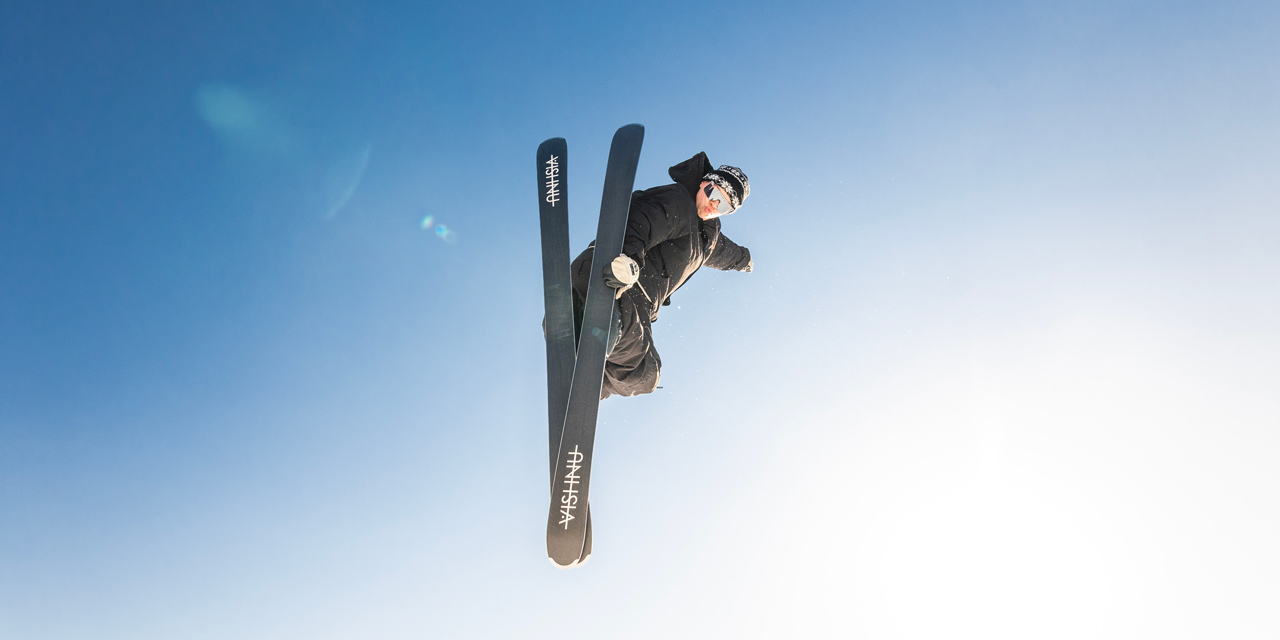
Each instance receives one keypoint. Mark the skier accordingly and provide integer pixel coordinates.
(672, 230)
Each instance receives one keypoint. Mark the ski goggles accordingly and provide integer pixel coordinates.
(713, 193)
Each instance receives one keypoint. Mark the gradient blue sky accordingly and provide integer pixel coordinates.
(1006, 368)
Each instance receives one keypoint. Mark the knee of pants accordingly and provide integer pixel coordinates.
(580, 272)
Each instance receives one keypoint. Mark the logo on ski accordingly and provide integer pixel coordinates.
(552, 173)
(569, 497)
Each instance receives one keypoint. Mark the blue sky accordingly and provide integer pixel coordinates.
(1005, 367)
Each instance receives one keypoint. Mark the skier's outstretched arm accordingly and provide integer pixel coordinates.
(729, 256)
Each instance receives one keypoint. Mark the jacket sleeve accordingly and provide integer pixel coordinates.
(728, 255)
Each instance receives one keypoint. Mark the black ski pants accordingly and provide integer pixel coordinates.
(633, 366)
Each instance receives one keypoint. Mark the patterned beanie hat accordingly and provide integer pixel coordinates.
(732, 181)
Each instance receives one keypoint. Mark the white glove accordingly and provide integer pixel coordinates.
(621, 274)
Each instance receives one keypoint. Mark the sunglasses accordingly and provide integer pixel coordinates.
(713, 193)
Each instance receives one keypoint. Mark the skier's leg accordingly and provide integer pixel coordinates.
(633, 366)
(580, 276)
(633, 363)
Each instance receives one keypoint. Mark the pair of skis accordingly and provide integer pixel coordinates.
(575, 368)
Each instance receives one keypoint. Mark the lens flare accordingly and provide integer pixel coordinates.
(246, 121)
(429, 223)
(446, 234)
(343, 178)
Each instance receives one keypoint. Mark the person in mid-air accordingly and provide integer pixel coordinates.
(672, 230)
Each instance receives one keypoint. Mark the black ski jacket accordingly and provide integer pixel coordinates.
(670, 242)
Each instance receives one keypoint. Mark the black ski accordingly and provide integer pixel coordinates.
(567, 521)
(557, 293)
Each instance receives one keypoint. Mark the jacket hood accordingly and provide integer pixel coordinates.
(688, 174)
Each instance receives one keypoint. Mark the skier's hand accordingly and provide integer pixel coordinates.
(621, 274)
(750, 265)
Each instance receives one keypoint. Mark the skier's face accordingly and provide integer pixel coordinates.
(712, 203)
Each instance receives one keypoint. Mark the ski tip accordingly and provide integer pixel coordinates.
(575, 563)
(552, 145)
